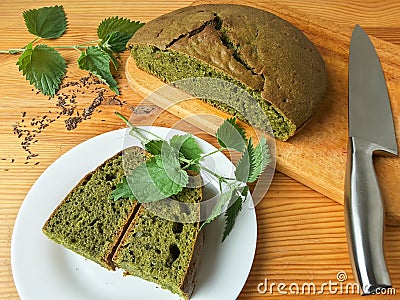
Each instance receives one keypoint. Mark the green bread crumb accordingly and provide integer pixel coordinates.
(171, 66)
(160, 250)
(88, 221)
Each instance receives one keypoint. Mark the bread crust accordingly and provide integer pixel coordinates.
(261, 50)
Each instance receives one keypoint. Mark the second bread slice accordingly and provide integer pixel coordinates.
(164, 251)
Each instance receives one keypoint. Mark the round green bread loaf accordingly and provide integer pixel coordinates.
(267, 56)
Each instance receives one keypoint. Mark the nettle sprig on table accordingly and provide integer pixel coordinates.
(166, 169)
(44, 67)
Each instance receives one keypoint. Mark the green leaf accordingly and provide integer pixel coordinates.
(217, 210)
(259, 160)
(233, 211)
(112, 58)
(115, 32)
(122, 190)
(253, 161)
(244, 165)
(114, 24)
(160, 177)
(97, 62)
(187, 145)
(154, 146)
(189, 150)
(231, 136)
(115, 41)
(43, 67)
(46, 22)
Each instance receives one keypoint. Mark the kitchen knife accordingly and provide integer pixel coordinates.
(371, 131)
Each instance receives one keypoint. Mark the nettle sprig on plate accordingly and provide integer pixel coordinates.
(165, 172)
(44, 67)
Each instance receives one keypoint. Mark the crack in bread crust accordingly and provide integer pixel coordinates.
(262, 51)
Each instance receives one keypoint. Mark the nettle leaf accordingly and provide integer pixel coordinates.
(259, 160)
(43, 67)
(217, 210)
(112, 57)
(116, 41)
(115, 32)
(231, 136)
(187, 145)
(253, 161)
(97, 61)
(154, 146)
(46, 22)
(160, 177)
(244, 165)
(117, 24)
(122, 191)
(233, 211)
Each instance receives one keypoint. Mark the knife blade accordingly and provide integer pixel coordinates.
(371, 131)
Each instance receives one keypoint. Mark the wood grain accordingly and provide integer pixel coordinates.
(301, 236)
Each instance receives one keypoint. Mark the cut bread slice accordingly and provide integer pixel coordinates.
(88, 221)
(124, 233)
(164, 251)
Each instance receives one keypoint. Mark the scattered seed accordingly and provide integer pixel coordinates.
(72, 122)
(66, 102)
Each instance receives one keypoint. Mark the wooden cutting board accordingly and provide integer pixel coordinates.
(315, 156)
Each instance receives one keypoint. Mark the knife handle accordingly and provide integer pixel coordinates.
(364, 217)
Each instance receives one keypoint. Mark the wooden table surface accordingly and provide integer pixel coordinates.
(301, 234)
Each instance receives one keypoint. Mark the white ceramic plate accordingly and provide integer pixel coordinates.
(45, 270)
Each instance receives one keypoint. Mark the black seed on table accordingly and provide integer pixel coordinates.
(66, 102)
